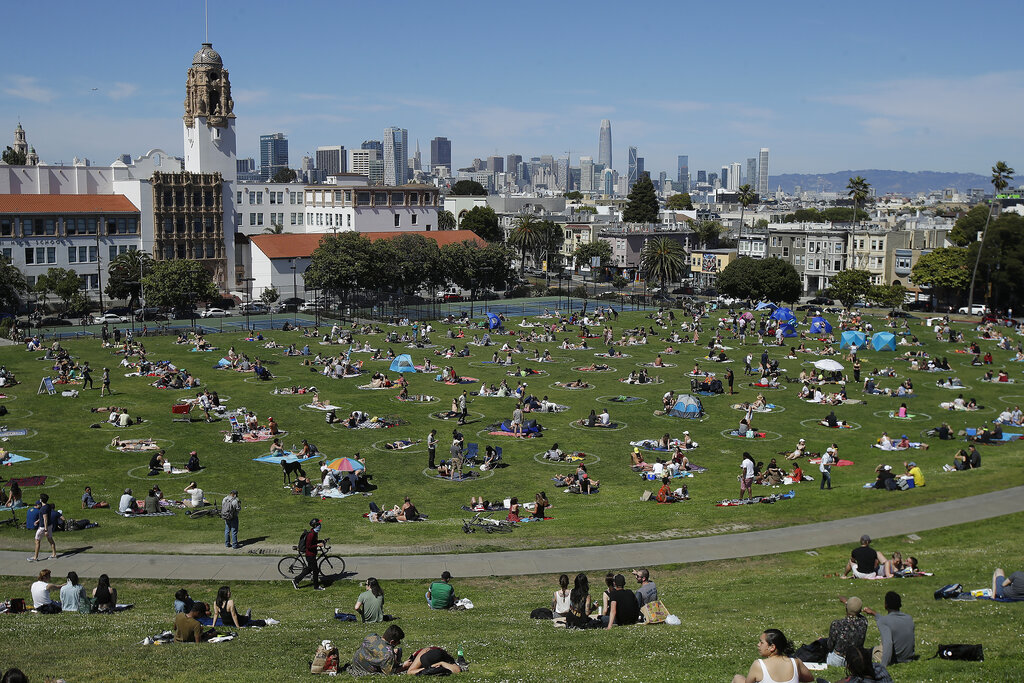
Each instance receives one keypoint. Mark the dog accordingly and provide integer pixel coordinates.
(290, 468)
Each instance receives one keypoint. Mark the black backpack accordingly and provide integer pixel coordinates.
(302, 542)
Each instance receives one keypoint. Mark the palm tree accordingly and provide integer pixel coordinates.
(274, 229)
(858, 188)
(445, 220)
(747, 196)
(126, 272)
(1001, 177)
(526, 236)
(664, 259)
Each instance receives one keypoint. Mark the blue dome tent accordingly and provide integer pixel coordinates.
(403, 363)
(493, 321)
(783, 313)
(765, 305)
(851, 337)
(788, 330)
(883, 341)
(687, 406)
(820, 326)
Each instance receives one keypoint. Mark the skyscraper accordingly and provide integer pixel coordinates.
(273, 154)
(640, 168)
(604, 153)
(702, 176)
(496, 164)
(632, 176)
(440, 153)
(586, 174)
(331, 160)
(762, 173)
(417, 164)
(752, 173)
(512, 162)
(396, 164)
(562, 174)
(373, 144)
(734, 176)
(683, 172)
(724, 175)
(662, 181)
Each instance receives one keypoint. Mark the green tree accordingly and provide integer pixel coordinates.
(12, 285)
(643, 203)
(849, 286)
(468, 188)
(484, 222)
(842, 214)
(62, 282)
(269, 295)
(619, 282)
(340, 264)
(968, 226)
(12, 157)
(663, 259)
(124, 276)
(445, 220)
(762, 223)
(274, 229)
(587, 250)
(552, 238)
(777, 280)
(680, 202)
(471, 267)
(803, 216)
(738, 279)
(858, 189)
(573, 196)
(1001, 177)
(414, 263)
(707, 232)
(746, 197)
(944, 270)
(888, 296)
(179, 284)
(284, 175)
(525, 236)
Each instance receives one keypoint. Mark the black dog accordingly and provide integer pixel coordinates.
(289, 469)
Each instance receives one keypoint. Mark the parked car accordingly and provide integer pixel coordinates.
(214, 313)
(808, 307)
(254, 308)
(151, 313)
(112, 318)
(919, 306)
(120, 310)
(452, 297)
(53, 322)
(900, 314)
(976, 309)
(823, 300)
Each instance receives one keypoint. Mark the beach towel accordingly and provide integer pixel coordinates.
(775, 497)
(29, 481)
(12, 458)
(165, 513)
(840, 463)
(249, 438)
(287, 457)
(12, 432)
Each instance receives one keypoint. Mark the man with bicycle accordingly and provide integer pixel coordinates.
(309, 543)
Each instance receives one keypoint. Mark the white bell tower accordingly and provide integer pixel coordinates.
(209, 121)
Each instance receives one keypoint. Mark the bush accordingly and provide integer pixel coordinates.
(581, 292)
(517, 292)
(540, 289)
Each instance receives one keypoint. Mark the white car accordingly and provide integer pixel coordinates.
(111, 318)
(214, 313)
(976, 309)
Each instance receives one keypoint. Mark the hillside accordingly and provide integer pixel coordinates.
(905, 182)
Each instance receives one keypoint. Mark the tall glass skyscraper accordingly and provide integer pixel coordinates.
(752, 173)
(683, 171)
(440, 153)
(273, 154)
(632, 177)
(604, 152)
(762, 173)
(396, 164)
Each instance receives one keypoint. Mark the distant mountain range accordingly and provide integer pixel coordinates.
(901, 182)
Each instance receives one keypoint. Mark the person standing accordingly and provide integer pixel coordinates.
(856, 370)
(105, 383)
(432, 449)
(825, 467)
(729, 378)
(87, 376)
(310, 544)
(44, 527)
(229, 510)
(463, 408)
(747, 476)
(517, 420)
(747, 361)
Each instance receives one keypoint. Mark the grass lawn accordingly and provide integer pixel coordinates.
(63, 447)
(723, 607)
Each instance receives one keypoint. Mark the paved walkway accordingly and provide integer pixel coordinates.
(570, 560)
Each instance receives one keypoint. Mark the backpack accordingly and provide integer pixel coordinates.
(949, 591)
(542, 613)
(967, 653)
(302, 542)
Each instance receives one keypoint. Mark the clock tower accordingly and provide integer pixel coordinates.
(209, 120)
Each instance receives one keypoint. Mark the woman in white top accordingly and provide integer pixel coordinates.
(775, 665)
(196, 496)
(560, 603)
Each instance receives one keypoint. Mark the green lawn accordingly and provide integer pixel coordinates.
(723, 607)
(63, 447)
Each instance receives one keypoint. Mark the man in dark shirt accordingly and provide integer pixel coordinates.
(311, 544)
(623, 609)
(896, 630)
(849, 631)
(864, 560)
(1011, 588)
(45, 523)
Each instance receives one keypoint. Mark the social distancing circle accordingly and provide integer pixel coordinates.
(588, 461)
(815, 422)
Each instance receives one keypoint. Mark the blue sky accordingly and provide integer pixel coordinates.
(827, 86)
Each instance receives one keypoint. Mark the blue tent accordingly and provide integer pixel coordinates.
(851, 337)
(764, 305)
(820, 326)
(883, 341)
(783, 313)
(493, 321)
(788, 330)
(687, 406)
(403, 363)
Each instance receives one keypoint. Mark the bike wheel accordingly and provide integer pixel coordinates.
(290, 567)
(332, 565)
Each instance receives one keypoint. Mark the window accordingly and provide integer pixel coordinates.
(300, 219)
(112, 253)
(50, 226)
(338, 196)
(94, 254)
(293, 219)
(51, 254)
(72, 254)
(209, 224)
(398, 221)
(259, 219)
(252, 219)
(179, 225)
(181, 251)
(30, 280)
(414, 199)
(397, 199)
(168, 252)
(83, 254)
(238, 197)
(839, 247)
(349, 221)
(273, 197)
(380, 198)
(785, 252)
(6, 229)
(210, 250)
(7, 254)
(259, 197)
(837, 266)
(414, 217)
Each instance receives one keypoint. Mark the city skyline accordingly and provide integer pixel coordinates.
(838, 91)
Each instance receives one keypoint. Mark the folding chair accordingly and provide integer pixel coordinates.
(184, 409)
(471, 451)
(235, 427)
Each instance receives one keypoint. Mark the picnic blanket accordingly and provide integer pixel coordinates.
(462, 380)
(262, 436)
(1007, 436)
(29, 481)
(775, 497)
(12, 432)
(840, 463)
(165, 513)
(287, 457)
(12, 458)
(625, 399)
(325, 406)
(336, 493)
(893, 415)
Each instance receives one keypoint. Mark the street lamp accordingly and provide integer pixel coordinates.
(295, 295)
(132, 311)
(248, 299)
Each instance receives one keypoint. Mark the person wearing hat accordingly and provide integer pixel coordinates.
(229, 510)
(799, 452)
(914, 471)
(309, 544)
(126, 506)
(884, 478)
(850, 631)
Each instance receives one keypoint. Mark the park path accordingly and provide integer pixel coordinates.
(245, 567)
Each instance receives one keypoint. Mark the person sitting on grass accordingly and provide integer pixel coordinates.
(623, 608)
(666, 495)
(433, 661)
(224, 609)
(540, 505)
(152, 503)
(88, 502)
(187, 628)
(104, 598)
(776, 661)
(126, 506)
(441, 594)
(639, 464)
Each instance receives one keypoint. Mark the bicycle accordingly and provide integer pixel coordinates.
(484, 521)
(330, 565)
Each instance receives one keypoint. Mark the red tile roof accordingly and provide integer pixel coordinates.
(302, 245)
(66, 203)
